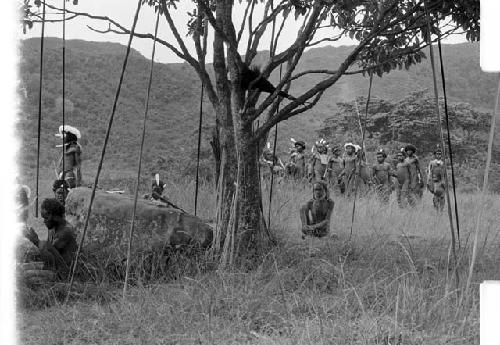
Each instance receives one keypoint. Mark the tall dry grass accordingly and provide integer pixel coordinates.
(392, 283)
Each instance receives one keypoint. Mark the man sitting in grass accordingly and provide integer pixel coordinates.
(316, 213)
(61, 244)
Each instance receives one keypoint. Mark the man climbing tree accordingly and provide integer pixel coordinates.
(388, 34)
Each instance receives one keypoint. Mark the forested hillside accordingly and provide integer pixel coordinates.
(92, 75)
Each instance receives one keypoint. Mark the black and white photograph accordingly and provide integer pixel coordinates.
(253, 172)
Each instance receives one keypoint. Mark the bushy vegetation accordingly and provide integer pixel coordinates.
(413, 119)
(392, 280)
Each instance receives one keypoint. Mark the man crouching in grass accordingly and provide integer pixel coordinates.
(316, 213)
(59, 251)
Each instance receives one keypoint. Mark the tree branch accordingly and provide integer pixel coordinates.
(176, 34)
(286, 112)
(242, 27)
(230, 41)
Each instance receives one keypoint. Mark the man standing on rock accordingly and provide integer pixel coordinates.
(71, 158)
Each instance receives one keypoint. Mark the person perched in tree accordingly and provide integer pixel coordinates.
(71, 158)
(435, 180)
(252, 79)
(316, 213)
(318, 162)
(402, 178)
(60, 248)
(381, 175)
(60, 189)
(415, 182)
(350, 168)
(297, 165)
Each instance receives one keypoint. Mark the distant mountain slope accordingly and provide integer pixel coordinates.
(92, 75)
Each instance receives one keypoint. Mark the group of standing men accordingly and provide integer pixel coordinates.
(348, 172)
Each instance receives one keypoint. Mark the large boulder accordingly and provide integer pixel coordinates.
(157, 225)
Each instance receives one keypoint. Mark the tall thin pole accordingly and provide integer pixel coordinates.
(453, 183)
(274, 156)
(363, 131)
(64, 89)
(144, 122)
(39, 112)
(198, 152)
(436, 103)
(103, 152)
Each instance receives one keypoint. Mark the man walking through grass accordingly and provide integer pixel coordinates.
(415, 178)
(381, 175)
(297, 165)
(319, 162)
(435, 180)
(350, 173)
(402, 178)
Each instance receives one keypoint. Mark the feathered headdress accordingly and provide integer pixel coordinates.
(69, 129)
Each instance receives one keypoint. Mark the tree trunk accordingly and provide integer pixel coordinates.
(226, 177)
(251, 237)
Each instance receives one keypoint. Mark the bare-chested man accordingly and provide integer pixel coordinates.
(402, 178)
(316, 213)
(60, 189)
(319, 161)
(61, 244)
(270, 161)
(297, 165)
(435, 180)
(334, 170)
(350, 172)
(415, 178)
(381, 174)
(71, 172)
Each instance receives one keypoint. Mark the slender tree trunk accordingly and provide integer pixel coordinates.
(227, 164)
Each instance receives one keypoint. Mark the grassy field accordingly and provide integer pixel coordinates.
(391, 283)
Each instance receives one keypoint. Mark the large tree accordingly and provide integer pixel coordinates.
(390, 34)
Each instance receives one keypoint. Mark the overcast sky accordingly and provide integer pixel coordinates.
(123, 11)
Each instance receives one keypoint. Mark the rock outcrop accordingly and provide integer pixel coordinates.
(156, 226)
